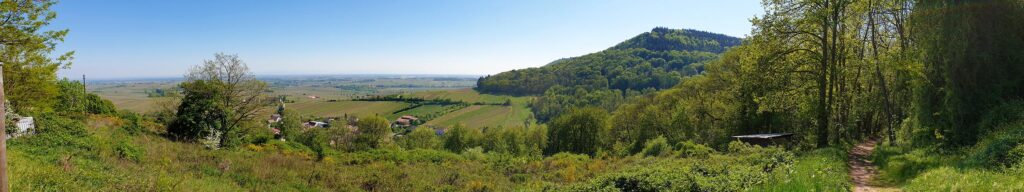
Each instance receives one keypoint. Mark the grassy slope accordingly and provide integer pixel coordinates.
(164, 165)
(424, 111)
(466, 95)
(485, 116)
(480, 115)
(818, 170)
(931, 169)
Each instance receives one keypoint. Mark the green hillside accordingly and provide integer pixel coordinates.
(656, 59)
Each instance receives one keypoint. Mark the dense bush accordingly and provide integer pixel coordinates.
(994, 150)
(689, 149)
(579, 131)
(200, 112)
(372, 131)
(96, 105)
(657, 147)
(127, 151)
(748, 168)
(421, 138)
(132, 123)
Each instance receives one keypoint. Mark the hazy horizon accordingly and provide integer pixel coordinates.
(143, 39)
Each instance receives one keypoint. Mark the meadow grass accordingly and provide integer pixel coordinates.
(817, 170)
(948, 178)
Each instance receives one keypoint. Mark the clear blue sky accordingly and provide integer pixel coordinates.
(148, 38)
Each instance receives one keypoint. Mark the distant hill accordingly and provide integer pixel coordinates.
(665, 39)
(657, 59)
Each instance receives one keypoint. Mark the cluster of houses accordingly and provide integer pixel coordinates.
(407, 122)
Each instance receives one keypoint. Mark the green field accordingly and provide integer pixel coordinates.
(425, 111)
(341, 108)
(485, 116)
(131, 96)
(466, 95)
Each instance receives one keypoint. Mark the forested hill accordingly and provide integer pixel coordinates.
(665, 39)
(656, 59)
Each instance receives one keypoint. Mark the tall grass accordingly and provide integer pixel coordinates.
(818, 170)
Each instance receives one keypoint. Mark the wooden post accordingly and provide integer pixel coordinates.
(3, 135)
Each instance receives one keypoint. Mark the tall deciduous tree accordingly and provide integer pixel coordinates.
(973, 54)
(26, 47)
(199, 113)
(238, 93)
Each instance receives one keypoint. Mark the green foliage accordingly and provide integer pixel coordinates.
(372, 131)
(317, 140)
(290, 125)
(133, 123)
(994, 151)
(72, 100)
(127, 151)
(96, 105)
(664, 39)
(971, 59)
(421, 138)
(953, 179)
(579, 131)
(689, 149)
(457, 138)
(657, 59)
(898, 165)
(731, 172)
(817, 170)
(200, 112)
(657, 147)
(27, 48)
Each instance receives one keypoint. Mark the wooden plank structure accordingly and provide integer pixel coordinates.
(765, 139)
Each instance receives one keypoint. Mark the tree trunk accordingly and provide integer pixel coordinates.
(3, 135)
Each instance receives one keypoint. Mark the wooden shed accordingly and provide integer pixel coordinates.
(765, 139)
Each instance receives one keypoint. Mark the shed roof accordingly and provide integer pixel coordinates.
(763, 136)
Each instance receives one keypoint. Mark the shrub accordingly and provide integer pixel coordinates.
(689, 149)
(372, 130)
(60, 135)
(993, 151)
(133, 123)
(475, 154)
(1016, 156)
(96, 105)
(657, 147)
(648, 179)
(127, 151)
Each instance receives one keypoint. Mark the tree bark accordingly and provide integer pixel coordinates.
(3, 135)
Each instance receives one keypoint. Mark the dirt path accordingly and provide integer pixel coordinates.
(862, 170)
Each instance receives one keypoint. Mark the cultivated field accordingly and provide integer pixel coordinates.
(341, 108)
(485, 116)
(331, 97)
